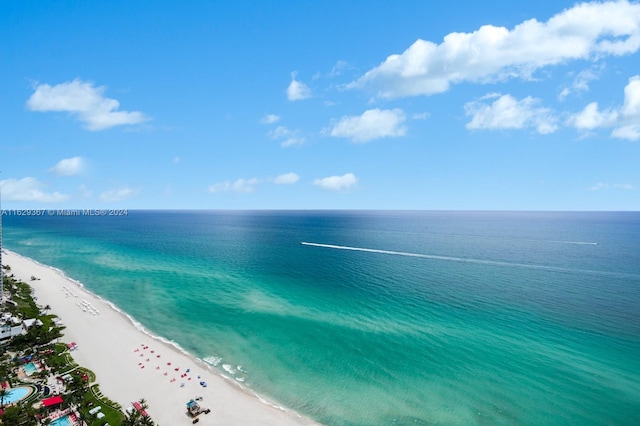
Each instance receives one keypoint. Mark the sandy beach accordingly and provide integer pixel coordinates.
(130, 364)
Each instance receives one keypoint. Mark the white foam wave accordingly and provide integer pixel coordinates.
(271, 404)
(212, 360)
(52, 268)
(229, 369)
(208, 362)
(132, 320)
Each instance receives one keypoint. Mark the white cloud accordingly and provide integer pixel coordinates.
(598, 186)
(506, 112)
(28, 189)
(270, 119)
(420, 116)
(372, 124)
(176, 160)
(590, 118)
(630, 132)
(85, 101)
(118, 194)
(292, 141)
(337, 183)
(286, 179)
(564, 93)
(68, 167)
(631, 107)
(337, 69)
(297, 90)
(240, 185)
(581, 81)
(287, 137)
(279, 132)
(585, 31)
(624, 120)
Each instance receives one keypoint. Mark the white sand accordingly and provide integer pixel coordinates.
(113, 348)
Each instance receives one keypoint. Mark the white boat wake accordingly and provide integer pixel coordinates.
(462, 259)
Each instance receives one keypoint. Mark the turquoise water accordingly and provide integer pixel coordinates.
(30, 368)
(16, 394)
(465, 318)
(61, 421)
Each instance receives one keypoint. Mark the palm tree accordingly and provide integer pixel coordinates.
(143, 404)
(82, 416)
(146, 421)
(3, 394)
(135, 418)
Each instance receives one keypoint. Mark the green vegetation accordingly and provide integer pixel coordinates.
(42, 343)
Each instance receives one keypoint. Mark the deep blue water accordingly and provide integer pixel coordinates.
(389, 317)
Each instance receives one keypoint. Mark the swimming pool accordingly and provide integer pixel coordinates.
(16, 394)
(62, 421)
(30, 368)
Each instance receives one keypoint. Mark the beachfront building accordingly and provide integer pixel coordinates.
(7, 332)
(11, 326)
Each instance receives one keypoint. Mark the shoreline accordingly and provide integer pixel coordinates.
(131, 363)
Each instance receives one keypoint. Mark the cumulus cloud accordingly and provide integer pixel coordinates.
(68, 167)
(297, 90)
(286, 179)
(372, 124)
(84, 101)
(270, 119)
(240, 185)
(29, 189)
(337, 183)
(118, 194)
(590, 118)
(585, 31)
(506, 112)
(624, 120)
(286, 137)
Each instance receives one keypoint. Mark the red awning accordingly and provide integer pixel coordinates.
(52, 401)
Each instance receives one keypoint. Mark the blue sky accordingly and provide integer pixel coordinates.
(320, 105)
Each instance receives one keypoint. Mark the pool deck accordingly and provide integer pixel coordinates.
(68, 413)
(30, 390)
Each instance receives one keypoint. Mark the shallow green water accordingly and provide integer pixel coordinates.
(444, 318)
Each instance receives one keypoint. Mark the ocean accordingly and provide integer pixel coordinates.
(380, 317)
